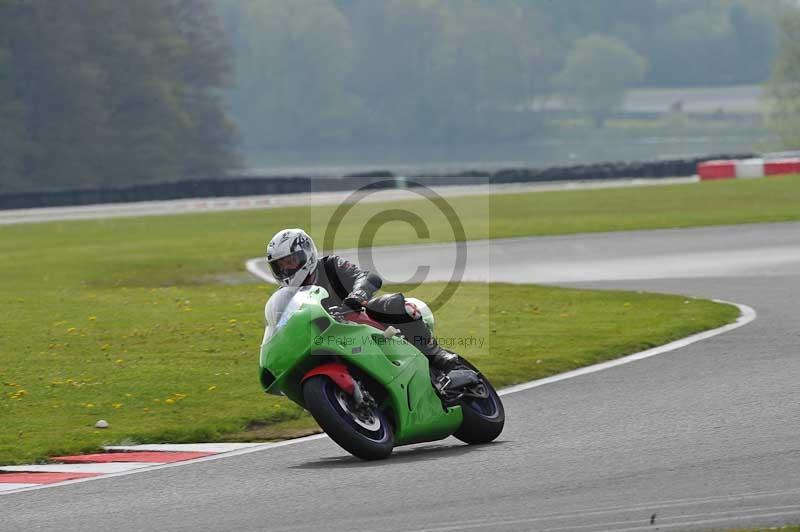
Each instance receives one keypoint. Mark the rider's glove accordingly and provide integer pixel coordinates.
(356, 300)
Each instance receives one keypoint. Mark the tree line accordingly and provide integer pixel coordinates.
(360, 72)
(98, 92)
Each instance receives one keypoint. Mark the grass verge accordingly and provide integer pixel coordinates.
(189, 248)
(151, 324)
(179, 364)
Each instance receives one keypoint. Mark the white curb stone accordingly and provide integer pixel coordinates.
(185, 447)
(12, 487)
(109, 467)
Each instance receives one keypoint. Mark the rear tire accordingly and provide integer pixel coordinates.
(368, 439)
(483, 418)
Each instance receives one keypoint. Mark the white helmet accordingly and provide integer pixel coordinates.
(292, 257)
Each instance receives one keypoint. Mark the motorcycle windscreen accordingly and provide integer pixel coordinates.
(284, 303)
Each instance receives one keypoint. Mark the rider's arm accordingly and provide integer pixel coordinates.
(362, 284)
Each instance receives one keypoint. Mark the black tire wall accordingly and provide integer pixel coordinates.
(256, 186)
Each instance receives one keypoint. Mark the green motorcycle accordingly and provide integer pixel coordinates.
(366, 386)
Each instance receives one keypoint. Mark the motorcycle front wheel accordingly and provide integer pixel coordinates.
(364, 433)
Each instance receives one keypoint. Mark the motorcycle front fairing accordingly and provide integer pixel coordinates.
(306, 336)
(289, 337)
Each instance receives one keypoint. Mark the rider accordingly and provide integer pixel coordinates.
(293, 260)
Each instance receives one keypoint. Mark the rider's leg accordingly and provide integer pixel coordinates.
(390, 309)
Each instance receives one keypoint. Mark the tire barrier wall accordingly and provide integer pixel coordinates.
(746, 168)
(257, 186)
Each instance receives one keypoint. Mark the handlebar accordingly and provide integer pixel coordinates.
(339, 311)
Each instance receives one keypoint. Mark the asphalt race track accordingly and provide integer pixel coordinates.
(702, 437)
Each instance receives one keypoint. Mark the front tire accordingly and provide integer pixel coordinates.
(484, 419)
(367, 436)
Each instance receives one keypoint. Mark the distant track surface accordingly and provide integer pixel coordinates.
(702, 437)
(195, 205)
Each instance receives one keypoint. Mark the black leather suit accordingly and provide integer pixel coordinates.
(342, 278)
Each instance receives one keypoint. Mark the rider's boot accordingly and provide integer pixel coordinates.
(439, 357)
(420, 336)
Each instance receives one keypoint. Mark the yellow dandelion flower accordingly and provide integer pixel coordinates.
(212, 388)
(116, 406)
(169, 401)
(19, 394)
(92, 318)
(71, 330)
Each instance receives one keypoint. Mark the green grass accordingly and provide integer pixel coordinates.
(182, 249)
(151, 324)
(179, 364)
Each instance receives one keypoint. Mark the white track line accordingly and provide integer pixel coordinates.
(185, 447)
(4, 487)
(671, 521)
(747, 315)
(668, 522)
(599, 512)
(252, 267)
(105, 467)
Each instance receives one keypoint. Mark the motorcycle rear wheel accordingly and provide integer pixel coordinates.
(484, 419)
(367, 436)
